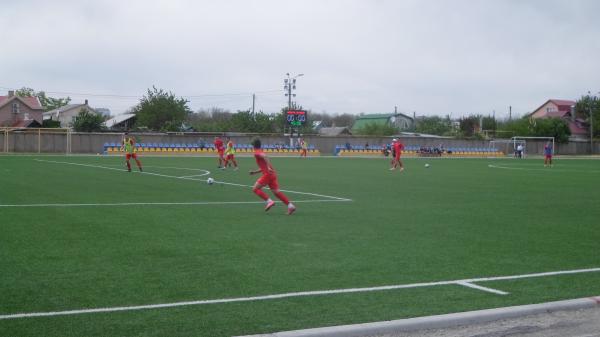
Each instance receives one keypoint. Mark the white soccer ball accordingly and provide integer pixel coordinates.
(210, 181)
(426, 165)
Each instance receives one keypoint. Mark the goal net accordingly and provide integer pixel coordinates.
(508, 147)
(520, 146)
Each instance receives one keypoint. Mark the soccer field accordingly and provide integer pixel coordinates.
(88, 249)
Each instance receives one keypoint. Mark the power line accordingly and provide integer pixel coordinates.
(249, 94)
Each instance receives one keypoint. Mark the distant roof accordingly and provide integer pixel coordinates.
(381, 119)
(334, 131)
(118, 119)
(577, 127)
(386, 115)
(32, 102)
(564, 107)
(30, 123)
(563, 103)
(68, 107)
(424, 135)
(361, 122)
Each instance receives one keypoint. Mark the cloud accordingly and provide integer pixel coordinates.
(432, 57)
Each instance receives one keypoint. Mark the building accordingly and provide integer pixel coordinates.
(334, 131)
(564, 109)
(121, 122)
(65, 114)
(105, 112)
(16, 111)
(398, 120)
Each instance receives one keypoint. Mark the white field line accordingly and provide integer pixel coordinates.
(196, 175)
(191, 203)
(546, 169)
(297, 294)
(474, 286)
(190, 178)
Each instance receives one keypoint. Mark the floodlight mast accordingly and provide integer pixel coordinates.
(289, 84)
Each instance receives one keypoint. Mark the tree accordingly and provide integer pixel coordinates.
(86, 121)
(489, 123)
(245, 121)
(468, 125)
(552, 127)
(48, 103)
(514, 127)
(583, 107)
(343, 120)
(433, 125)
(161, 110)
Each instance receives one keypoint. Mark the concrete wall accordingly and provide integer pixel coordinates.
(46, 142)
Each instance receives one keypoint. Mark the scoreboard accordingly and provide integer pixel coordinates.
(296, 117)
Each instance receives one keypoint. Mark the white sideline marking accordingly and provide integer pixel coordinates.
(297, 294)
(545, 169)
(474, 286)
(191, 203)
(189, 178)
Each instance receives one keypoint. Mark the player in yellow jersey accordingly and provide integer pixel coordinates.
(230, 155)
(128, 145)
(304, 148)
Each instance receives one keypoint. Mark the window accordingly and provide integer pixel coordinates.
(16, 108)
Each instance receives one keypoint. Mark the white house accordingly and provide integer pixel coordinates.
(65, 114)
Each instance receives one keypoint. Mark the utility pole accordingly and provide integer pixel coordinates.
(510, 112)
(253, 101)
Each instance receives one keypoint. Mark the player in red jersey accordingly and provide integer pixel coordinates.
(220, 149)
(397, 147)
(269, 177)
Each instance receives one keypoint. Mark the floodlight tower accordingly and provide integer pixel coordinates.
(289, 84)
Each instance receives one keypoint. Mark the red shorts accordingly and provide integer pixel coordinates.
(229, 157)
(269, 180)
(397, 156)
(130, 155)
(221, 152)
(548, 156)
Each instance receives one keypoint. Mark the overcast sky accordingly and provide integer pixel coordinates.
(432, 57)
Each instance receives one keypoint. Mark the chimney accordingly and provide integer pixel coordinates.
(573, 113)
(86, 102)
(11, 93)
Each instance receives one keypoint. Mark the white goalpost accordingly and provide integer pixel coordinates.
(510, 147)
(544, 139)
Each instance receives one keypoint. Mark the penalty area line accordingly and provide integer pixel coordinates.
(465, 282)
(191, 178)
(192, 203)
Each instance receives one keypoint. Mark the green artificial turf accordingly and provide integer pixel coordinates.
(457, 219)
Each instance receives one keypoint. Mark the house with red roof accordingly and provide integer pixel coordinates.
(16, 111)
(560, 108)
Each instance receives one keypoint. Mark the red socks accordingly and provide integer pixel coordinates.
(282, 197)
(261, 194)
